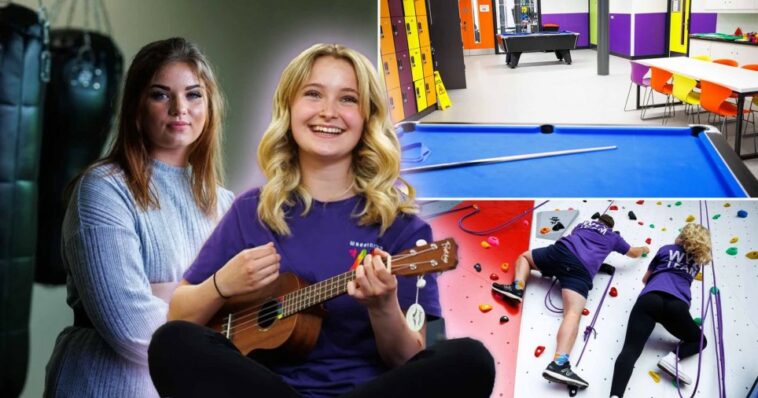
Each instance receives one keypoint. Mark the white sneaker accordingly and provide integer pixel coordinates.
(668, 365)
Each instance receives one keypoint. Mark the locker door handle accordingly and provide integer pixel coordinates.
(386, 68)
(394, 30)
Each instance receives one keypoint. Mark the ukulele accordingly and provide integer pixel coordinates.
(286, 314)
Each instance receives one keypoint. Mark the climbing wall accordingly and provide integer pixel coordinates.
(736, 275)
(465, 289)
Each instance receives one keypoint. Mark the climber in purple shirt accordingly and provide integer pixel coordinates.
(666, 300)
(573, 260)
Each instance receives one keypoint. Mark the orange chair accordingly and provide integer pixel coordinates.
(725, 61)
(659, 79)
(713, 98)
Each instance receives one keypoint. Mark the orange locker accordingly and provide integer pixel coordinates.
(426, 61)
(431, 92)
(384, 9)
(420, 94)
(396, 105)
(417, 69)
(389, 66)
(420, 6)
(411, 30)
(386, 43)
(409, 8)
(423, 31)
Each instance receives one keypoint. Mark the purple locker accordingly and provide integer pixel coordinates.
(398, 34)
(408, 92)
(404, 68)
(396, 8)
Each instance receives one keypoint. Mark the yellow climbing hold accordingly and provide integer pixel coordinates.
(485, 307)
(656, 377)
(659, 203)
(699, 276)
(734, 239)
(690, 218)
(485, 244)
(504, 267)
(727, 204)
(663, 229)
(753, 255)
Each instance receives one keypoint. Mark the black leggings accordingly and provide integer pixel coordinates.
(188, 360)
(663, 308)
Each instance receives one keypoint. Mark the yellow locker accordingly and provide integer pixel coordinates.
(396, 105)
(420, 6)
(411, 31)
(423, 31)
(431, 93)
(417, 69)
(426, 61)
(386, 43)
(384, 11)
(409, 8)
(389, 66)
(420, 94)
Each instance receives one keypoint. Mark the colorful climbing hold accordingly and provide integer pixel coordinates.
(525, 223)
(742, 214)
(596, 216)
(659, 203)
(678, 203)
(505, 267)
(644, 254)
(558, 226)
(652, 225)
(478, 267)
(690, 218)
(716, 216)
(648, 241)
(668, 205)
(640, 223)
(585, 312)
(734, 239)
(663, 229)
(715, 290)
(504, 319)
(732, 251)
(613, 292)
(699, 276)
(485, 244)
(727, 204)
(639, 202)
(698, 321)
(613, 207)
(485, 307)
(632, 216)
(753, 255)
(493, 240)
(494, 276)
(656, 377)
(544, 230)
(539, 350)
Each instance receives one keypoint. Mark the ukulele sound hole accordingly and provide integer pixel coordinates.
(269, 313)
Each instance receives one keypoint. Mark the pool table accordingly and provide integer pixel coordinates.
(665, 162)
(514, 44)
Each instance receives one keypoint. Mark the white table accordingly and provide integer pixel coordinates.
(744, 82)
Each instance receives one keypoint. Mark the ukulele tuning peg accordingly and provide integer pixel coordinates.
(420, 242)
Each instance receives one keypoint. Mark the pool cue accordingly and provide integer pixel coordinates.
(501, 159)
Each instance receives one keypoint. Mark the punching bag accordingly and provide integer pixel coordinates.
(79, 107)
(24, 65)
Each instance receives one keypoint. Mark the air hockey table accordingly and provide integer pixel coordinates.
(645, 161)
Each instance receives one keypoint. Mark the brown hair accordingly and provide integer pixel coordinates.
(130, 150)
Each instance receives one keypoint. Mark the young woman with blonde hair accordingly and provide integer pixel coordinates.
(332, 162)
(665, 299)
(135, 221)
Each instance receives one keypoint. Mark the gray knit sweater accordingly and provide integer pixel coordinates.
(113, 251)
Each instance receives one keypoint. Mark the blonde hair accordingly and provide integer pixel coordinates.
(131, 149)
(375, 159)
(696, 241)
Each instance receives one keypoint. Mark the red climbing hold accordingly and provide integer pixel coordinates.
(613, 207)
(585, 312)
(640, 223)
(648, 241)
(613, 292)
(539, 350)
(639, 202)
(494, 277)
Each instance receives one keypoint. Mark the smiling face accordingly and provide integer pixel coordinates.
(175, 110)
(326, 119)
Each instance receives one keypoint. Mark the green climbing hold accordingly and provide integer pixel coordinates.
(714, 290)
(644, 254)
(652, 225)
(698, 321)
(716, 216)
(731, 251)
(668, 205)
(678, 203)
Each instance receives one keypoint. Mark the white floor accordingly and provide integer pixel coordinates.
(541, 90)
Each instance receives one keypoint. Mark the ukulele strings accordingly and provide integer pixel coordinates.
(243, 322)
(252, 311)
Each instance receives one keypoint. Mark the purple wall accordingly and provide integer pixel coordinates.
(703, 22)
(578, 22)
(620, 34)
(649, 34)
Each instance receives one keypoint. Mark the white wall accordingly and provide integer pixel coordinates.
(649, 6)
(620, 6)
(564, 6)
(735, 276)
(728, 23)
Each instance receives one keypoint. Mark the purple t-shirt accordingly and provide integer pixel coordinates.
(673, 272)
(323, 243)
(591, 242)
